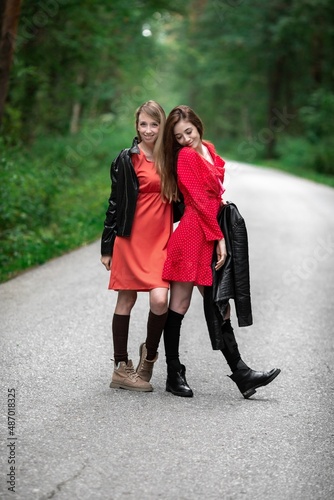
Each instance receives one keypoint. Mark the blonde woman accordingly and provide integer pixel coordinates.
(137, 227)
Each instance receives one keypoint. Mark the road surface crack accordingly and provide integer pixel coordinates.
(62, 484)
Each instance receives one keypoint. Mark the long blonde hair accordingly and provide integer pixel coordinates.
(169, 153)
(155, 111)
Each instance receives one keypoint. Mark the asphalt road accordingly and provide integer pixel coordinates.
(75, 438)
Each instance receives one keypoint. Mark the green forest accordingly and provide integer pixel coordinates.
(72, 73)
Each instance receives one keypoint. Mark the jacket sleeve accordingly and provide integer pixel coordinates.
(189, 172)
(110, 222)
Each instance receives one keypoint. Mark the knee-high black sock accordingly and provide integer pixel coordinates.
(155, 325)
(172, 336)
(120, 331)
(230, 349)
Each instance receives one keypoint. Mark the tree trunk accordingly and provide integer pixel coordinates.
(75, 118)
(275, 81)
(9, 19)
(76, 109)
(317, 58)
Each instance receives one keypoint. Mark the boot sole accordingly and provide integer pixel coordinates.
(247, 394)
(113, 385)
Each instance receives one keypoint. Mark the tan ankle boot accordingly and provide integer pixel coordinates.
(125, 377)
(145, 366)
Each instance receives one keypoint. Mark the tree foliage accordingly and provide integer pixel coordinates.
(76, 59)
(254, 70)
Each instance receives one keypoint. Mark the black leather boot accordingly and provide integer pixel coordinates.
(176, 381)
(249, 380)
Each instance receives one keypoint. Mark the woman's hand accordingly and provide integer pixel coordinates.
(221, 254)
(106, 261)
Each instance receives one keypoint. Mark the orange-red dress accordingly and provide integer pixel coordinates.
(138, 260)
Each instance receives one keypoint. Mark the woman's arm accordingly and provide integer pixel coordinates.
(190, 176)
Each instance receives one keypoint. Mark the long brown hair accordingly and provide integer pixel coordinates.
(155, 111)
(169, 153)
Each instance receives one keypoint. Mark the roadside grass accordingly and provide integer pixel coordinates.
(294, 155)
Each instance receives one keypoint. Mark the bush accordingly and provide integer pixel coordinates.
(53, 196)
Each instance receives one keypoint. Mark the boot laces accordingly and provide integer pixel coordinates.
(131, 372)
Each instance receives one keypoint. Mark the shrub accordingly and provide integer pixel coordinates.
(49, 204)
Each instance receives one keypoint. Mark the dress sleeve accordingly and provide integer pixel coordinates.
(190, 176)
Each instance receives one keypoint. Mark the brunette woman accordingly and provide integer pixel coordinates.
(193, 170)
(137, 227)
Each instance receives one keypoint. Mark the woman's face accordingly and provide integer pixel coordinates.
(148, 129)
(187, 134)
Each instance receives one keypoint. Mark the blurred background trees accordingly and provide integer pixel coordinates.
(76, 59)
(256, 72)
(260, 74)
(72, 72)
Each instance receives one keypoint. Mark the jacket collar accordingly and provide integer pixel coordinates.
(134, 148)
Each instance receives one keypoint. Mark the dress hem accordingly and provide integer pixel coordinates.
(138, 289)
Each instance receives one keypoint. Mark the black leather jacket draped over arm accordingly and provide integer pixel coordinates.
(232, 281)
(122, 199)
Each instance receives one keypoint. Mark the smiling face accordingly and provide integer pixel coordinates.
(148, 129)
(187, 134)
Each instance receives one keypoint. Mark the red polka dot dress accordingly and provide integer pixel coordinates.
(190, 248)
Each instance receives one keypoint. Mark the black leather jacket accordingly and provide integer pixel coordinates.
(122, 200)
(232, 280)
